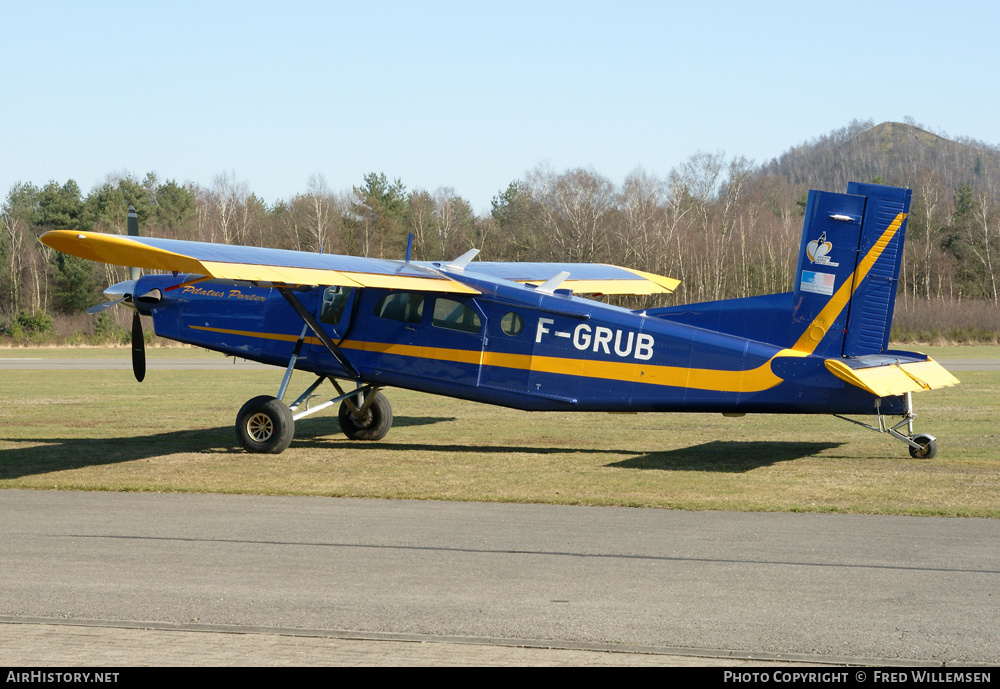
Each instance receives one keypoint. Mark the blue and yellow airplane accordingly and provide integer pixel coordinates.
(518, 334)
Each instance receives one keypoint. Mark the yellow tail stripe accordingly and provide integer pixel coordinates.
(812, 336)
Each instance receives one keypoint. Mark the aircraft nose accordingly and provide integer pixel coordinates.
(121, 289)
(120, 293)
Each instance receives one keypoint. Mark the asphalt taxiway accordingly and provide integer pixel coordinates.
(312, 580)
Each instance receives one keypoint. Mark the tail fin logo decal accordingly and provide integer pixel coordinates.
(818, 249)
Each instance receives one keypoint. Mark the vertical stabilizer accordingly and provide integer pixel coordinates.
(849, 260)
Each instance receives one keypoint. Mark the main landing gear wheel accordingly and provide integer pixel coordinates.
(265, 425)
(928, 445)
(375, 423)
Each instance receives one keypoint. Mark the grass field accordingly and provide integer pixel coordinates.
(100, 430)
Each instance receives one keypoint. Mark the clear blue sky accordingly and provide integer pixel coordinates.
(470, 94)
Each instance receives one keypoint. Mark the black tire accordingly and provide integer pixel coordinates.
(265, 425)
(375, 425)
(928, 447)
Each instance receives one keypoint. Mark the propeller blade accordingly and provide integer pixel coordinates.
(132, 227)
(138, 349)
(97, 308)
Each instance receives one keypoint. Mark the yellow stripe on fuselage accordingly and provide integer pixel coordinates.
(750, 380)
(812, 336)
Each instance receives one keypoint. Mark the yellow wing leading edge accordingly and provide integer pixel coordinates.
(249, 263)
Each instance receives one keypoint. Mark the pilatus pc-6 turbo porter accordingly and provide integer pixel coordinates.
(518, 334)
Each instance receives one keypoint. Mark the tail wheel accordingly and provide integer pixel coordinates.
(928, 447)
(265, 425)
(375, 423)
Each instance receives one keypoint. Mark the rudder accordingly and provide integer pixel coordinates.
(884, 231)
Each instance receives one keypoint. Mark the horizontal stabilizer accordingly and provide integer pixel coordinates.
(891, 379)
(585, 278)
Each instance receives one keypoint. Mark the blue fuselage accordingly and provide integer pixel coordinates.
(511, 345)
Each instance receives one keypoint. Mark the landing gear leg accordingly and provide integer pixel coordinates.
(922, 445)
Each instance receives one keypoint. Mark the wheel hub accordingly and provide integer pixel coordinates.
(260, 427)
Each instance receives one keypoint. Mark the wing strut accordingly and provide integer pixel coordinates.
(291, 362)
(307, 317)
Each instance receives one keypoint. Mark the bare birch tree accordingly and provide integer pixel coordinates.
(228, 195)
(320, 204)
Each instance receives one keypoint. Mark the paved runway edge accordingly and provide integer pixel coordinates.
(539, 644)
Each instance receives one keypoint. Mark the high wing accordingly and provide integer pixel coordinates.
(584, 278)
(229, 262)
(255, 264)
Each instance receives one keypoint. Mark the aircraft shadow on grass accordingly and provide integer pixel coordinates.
(727, 456)
(716, 456)
(62, 454)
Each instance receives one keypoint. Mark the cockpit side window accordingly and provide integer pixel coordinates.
(335, 300)
(455, 315)
(407, 307)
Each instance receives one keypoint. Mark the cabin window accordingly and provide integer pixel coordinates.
(334, 302)
(407, 307)
(512, 324)
(455, 315)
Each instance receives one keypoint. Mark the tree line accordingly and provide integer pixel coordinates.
(725, 227)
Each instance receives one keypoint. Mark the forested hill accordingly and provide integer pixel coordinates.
(900, 154)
